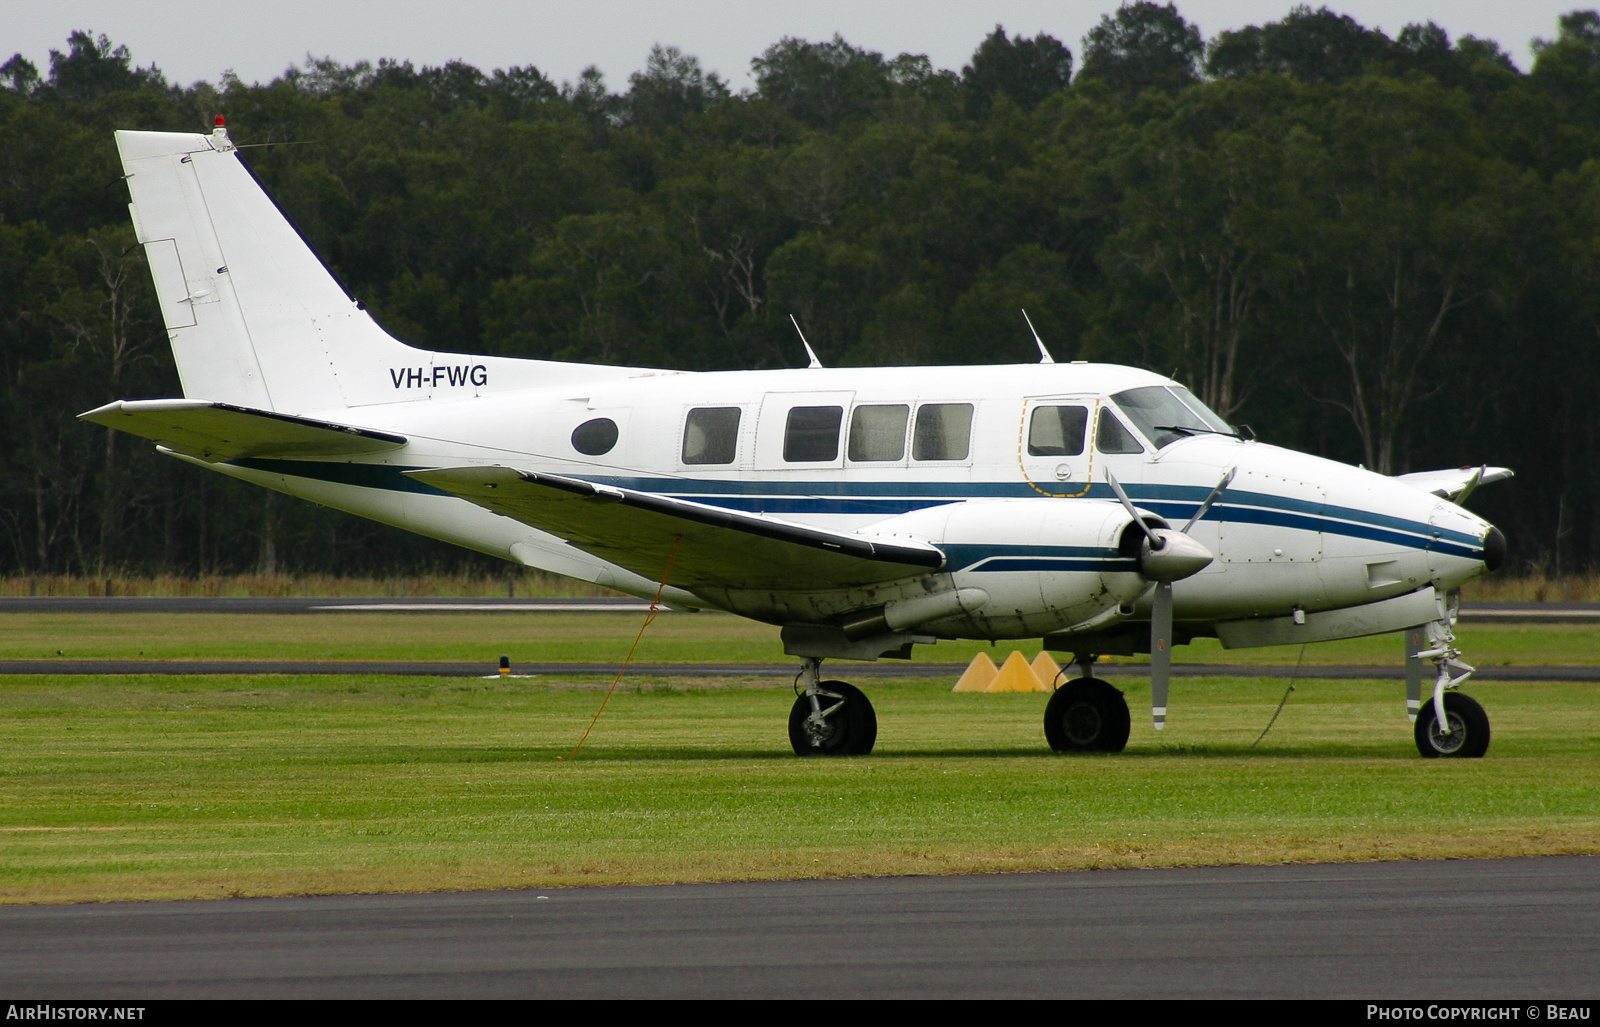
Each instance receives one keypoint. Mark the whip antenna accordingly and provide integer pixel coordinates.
(814, 361)
(1044, 354)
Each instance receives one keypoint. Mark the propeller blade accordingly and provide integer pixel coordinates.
(1160, 652)
(1471, 486)
(1216, 494)
(1116, 486)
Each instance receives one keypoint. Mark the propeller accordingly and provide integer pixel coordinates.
(1166, 556)
(1471, 486)
(1216, 493)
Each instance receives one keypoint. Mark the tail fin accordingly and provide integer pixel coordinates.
(254, 317)
(256, 320)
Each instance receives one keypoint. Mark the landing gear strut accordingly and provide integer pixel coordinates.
(1087, 715)
(1452, 725)
(830, 718)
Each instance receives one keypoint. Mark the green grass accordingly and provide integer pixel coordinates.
(518, 581)
(165, 787)
(606, 637)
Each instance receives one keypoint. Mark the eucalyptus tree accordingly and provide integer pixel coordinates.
(671, 87)
(1209, 213)
(1144, 45)
(1024, 70)
(1313, 46)
(1408, 218)
(822, 84)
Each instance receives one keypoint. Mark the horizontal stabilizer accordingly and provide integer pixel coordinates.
(1450, 484)
(720, 548)
(217, 432)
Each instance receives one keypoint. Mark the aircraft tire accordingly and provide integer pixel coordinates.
(854, 725)
(1087, 715)
(1469, 729)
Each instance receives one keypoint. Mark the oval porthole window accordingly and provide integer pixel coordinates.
(592, 438)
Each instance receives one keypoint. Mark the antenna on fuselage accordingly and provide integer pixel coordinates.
(814, 361)
(1044, 354)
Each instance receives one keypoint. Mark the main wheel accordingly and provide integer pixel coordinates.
(1087, 715)
(848, 727)
(1469, 729)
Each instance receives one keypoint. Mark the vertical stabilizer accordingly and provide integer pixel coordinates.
(256, 320)
(254, 317)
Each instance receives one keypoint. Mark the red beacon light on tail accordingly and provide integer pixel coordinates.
(219, 136)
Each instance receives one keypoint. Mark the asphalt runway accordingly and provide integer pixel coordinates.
(1515, 929)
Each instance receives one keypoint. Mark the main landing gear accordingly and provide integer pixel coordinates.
(830, 718)
(1451, 725)
(1087, 715)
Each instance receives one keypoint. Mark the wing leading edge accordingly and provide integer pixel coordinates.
(719, 548)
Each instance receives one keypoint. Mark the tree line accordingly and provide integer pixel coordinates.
(1382, 250)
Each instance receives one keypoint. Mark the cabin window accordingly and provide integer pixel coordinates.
(711, 435)
(879, 432)
(1057, 431)
(1111, 437)
(812, 434)
(943, 432)
(596, 437)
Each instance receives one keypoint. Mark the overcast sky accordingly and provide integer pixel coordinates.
(191, 40)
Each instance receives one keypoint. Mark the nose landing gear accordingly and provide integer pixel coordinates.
(1452, 725)
(830, 718)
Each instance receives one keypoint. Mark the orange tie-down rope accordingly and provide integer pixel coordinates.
(649, 618)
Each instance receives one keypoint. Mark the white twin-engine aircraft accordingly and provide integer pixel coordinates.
(865, 510)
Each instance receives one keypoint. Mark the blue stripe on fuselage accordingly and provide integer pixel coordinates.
(886, 499)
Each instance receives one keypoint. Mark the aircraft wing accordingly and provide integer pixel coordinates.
(1450, 484)
(221, 431)
(720, 548)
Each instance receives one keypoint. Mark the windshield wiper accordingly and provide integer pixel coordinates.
(1244, 434)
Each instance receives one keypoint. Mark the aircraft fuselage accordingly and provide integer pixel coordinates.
(1292, 532)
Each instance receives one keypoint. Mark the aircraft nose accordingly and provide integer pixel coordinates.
(1494, 548)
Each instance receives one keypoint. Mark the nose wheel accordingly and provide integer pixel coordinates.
(1452, 726)
(1468, 733)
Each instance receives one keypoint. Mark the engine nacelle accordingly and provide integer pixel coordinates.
(1045, 565)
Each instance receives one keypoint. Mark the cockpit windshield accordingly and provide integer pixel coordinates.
(1166, 414)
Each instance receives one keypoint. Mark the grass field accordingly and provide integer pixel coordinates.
(606, 637)
(166, 787)
(175, 786)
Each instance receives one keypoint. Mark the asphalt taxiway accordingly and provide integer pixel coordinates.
(1505, 929)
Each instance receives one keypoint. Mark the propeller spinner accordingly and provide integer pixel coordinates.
(1166, 556)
